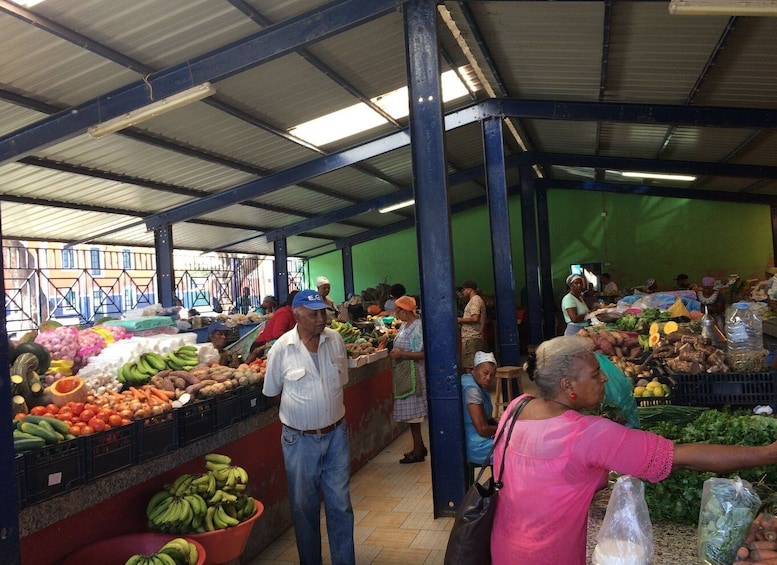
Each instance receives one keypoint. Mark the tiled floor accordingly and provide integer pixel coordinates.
(393, 515)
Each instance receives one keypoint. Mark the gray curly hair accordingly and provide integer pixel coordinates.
(554, 360)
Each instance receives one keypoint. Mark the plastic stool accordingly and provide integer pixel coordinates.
(507, 380)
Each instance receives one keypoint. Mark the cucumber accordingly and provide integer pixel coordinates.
(58, 425)
(27, 443)
(49, 436)
(48, 427)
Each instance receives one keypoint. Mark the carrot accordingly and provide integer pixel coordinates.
(163, 395)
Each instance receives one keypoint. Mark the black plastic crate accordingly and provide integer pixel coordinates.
(196, 420)
(725, 389)
(109, 451)
(55, 469)
(156, 436)
(228, 408)
(252, 401)
(21, 480)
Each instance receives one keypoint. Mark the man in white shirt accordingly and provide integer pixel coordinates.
(308, 367)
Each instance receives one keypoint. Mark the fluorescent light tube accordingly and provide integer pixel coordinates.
(397, 206)
(152, 110)
(660, 176)
(724, 7)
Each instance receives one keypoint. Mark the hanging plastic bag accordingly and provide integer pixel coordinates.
(626, 535)
(618, 390)
(728, 506)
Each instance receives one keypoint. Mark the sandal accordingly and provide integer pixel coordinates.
(411, 454)
(412, 459)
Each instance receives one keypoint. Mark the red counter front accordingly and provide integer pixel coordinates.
(115, 505)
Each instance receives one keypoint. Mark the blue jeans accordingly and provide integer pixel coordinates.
(318, 465)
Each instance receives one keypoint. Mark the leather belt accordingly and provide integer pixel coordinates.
(321, 431)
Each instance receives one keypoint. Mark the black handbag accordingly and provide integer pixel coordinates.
(470, 539)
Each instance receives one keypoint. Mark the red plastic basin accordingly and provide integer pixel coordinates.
(222, 546)
(116, 551)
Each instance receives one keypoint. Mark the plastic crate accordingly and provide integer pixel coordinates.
(55, 469)
(252, 400)
(228, 408)
(725, 389)
(21, 480)
(195, 420)
(155, 436)
(109, 451)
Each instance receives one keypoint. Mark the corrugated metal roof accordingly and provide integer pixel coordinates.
(632, 52)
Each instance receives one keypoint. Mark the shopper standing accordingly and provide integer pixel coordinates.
(472, 322)
(308, 368)
(409, 347)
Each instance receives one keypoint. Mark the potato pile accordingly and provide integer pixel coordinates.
(614, 343)
(358, 349)
(205, 381)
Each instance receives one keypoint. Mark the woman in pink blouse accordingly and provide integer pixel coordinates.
(558, 458)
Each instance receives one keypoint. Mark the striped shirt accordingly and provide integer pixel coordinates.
(311, 397)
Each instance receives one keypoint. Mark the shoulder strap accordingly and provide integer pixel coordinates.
(513, 414)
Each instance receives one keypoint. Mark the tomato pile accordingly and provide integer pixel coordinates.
(82, 418)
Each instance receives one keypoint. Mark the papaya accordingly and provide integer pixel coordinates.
(43, 355)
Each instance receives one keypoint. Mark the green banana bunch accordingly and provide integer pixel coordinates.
(175, 552)
(185, 358)
(348, 332)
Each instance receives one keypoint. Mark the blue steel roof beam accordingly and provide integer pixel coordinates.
(256, 16)
(220, 64)
(712, 116)
(39, 106)
(121, 59)
(163, 187)
(261, 20)
(606, 28)
(81, 206)
(648, 165)
(662, 191)
(385, 200)
(74, 37)
(316, 167)
(406, 224)
(713, 58)
(338, 215)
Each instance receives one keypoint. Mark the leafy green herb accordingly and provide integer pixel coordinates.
(678, 498)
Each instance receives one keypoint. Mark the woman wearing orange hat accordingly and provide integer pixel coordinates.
(713, 301)
(409, 344)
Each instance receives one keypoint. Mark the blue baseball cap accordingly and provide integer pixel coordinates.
(217, 327)
(309, 299)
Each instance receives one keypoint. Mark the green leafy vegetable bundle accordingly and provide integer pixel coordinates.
(678, 498)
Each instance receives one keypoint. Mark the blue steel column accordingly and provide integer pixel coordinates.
(549, 300)
(165, 273)
(281, 270)
(348, 270)
(501, 245)
(9, 508)
(433, 231)
(531, 264)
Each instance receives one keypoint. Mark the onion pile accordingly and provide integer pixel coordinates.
(61, 342)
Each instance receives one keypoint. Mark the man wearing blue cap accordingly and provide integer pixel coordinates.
(308, 367)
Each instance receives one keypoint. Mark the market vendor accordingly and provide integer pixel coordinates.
(324, 287)
(279, 323)
(217, 335)
(712, 300)
(267, 305)
(573, 305)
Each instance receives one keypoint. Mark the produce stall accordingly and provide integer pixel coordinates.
(78, 473)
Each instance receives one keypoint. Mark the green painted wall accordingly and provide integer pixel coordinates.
(638, 237)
